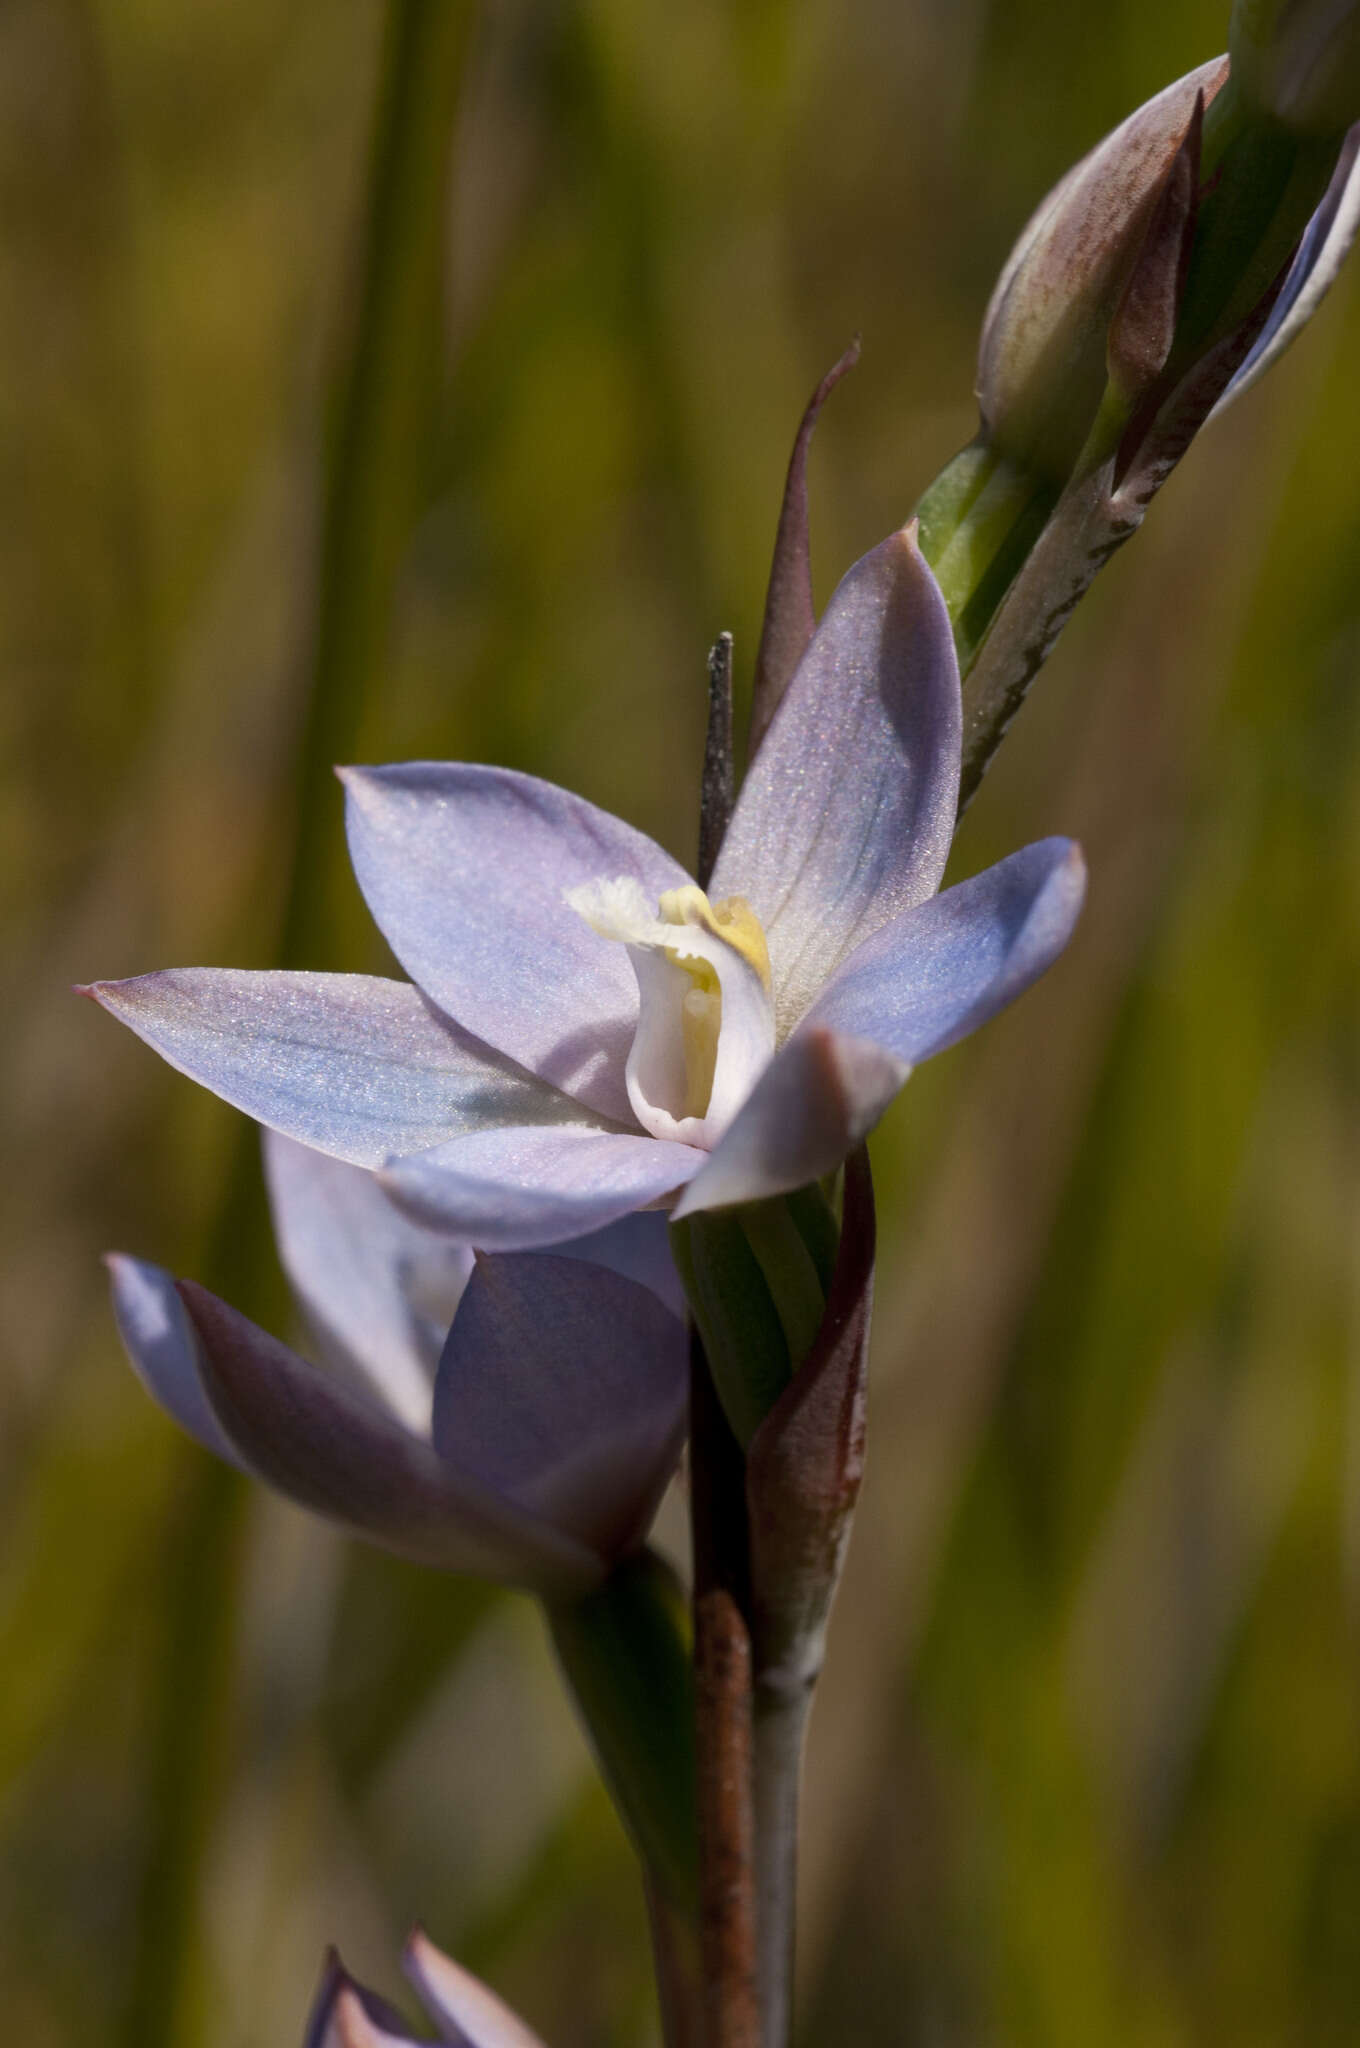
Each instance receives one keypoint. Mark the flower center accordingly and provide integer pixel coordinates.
(705, 1019)
(734, 922)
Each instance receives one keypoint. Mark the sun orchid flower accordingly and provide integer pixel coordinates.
(515, 1417)
(346, 2015)
(587, 1033)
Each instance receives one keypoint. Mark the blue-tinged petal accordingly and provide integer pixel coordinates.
(818, 1097)
(354, 1065)
(466, 870)
(331, 1450)
(846, 817)
(639, 1247)
(163, 1349)
(1326, 242)
(566, 1388)
(465, 2010)
(515, 1190)
(378, 1290)
(346, 2015)
(939, 971)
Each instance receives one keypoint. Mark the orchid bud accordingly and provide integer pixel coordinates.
(1298, 62)
(1043, 361)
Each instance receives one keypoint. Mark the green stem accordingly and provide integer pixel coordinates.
(371, 498)
(779, 1729)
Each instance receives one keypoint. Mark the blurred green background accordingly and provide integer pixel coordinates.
(436, 369)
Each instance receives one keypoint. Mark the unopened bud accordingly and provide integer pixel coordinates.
(1298, 62)
(1107, 242)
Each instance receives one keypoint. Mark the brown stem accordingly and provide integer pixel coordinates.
(723, 1709)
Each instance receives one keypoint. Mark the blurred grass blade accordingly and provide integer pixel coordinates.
(386, 390)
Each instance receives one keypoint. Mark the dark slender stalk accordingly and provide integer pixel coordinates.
(717, 791)
(723, 1720)
(729, 1957)
(384, 390)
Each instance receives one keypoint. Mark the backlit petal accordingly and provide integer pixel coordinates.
(378, 1291)
(846, 816)
(357, 1066)
(515, 1190)
(465, 869)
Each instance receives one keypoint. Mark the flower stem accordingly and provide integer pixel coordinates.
(780, 1726)
(723, 1720)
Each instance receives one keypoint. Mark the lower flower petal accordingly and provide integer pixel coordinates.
(378, 1290)
(566, 1388)
(332, 1451)
(346, 2015)
(639, 1247)
(818, 1097)
(937, 972)
(1317, 261)
(354, 1065)
(163, 1350)
(515, 1190)
(460, 2003)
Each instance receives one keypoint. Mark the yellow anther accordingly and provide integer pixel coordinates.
(735, 921)
(732, 920)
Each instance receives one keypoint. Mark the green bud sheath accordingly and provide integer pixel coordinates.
(756, 1277)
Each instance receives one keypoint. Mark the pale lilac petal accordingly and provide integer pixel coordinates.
(1325, 245)
(378, 1290)
(163, 1349)
(354, 1065)
(846, 817)
(939, 971)
(463, 2007)
(466, 870)
(819, 1096)
(517, 1189)
(566, 1388)
(346, 2015)
(330, 1450)
(639, 1247)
